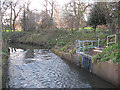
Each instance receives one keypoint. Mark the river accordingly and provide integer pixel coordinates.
(33, 67)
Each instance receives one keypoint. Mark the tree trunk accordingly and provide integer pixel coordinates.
(0, 22)
(11, 18)
(95, 28)
(78, 23)
(14, 25)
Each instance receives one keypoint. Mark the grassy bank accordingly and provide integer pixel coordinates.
(61, 40)
(109, 54)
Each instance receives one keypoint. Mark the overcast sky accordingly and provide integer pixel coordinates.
(38, 4)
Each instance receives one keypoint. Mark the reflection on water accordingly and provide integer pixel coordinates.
(40, 68)
(29, 54)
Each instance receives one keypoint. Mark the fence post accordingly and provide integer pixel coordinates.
(79, 45)
(90, 66)
(115, 38)
(92, 44)
(82, 55)
(76, 46)
(83, 47)
(107, 41)
(98, 42)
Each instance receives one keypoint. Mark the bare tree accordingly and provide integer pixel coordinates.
(15, 8)
(5, 7)
(78, 9)
(11, 16)
(16, 12)
(46, 6)
(0, 20)
(47, 20)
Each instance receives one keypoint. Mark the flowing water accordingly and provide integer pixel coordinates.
(32, 67)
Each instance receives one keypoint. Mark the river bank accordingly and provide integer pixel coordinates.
(64, 41)
(105, 70)
(40, 68)
(66, 56)
(5, 56)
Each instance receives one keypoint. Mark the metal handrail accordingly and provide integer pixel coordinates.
(111, 42)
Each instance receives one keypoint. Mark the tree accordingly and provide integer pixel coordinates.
(0, 20)
(46, 21)
(29, 21)
(23, 21)
(77, 10)
(97, 17)
(4, 19)
(30, 18)
(111, 12)
(53, 8)
(16, 12)
(15, 7)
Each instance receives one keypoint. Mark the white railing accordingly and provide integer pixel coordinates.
(80, 44)
(112, 41)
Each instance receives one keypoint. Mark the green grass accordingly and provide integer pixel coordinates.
(58, 38)
(11, 35)
(61, 40)
(88, 28)
(109, 54)
(11, 30)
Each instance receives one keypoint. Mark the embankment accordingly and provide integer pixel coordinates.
(64, 42)
(105, 70)
(66, 56)
(5, 56)
(108, 71)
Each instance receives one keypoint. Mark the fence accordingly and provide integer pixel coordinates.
(80, 51)
(111, 37)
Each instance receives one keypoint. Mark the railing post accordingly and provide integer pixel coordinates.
(115, 38)
(79, 45)
(83, 47)
(98, 42)
(107, 41)
(90, 66)
(92, 44)
(76, 46)
(82, 55)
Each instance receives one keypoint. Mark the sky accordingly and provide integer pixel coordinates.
(38, 4)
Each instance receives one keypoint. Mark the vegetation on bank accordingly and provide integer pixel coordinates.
(11, 30)
(5, 55)
(110, 54)
(65, 41)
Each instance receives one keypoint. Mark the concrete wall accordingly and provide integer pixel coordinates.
(105, 70)
(66, 56)
(108, 71)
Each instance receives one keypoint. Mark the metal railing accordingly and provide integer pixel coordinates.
(80, 50)
(80, 44)
(111, 37)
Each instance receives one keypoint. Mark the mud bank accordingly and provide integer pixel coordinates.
(105, 70)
